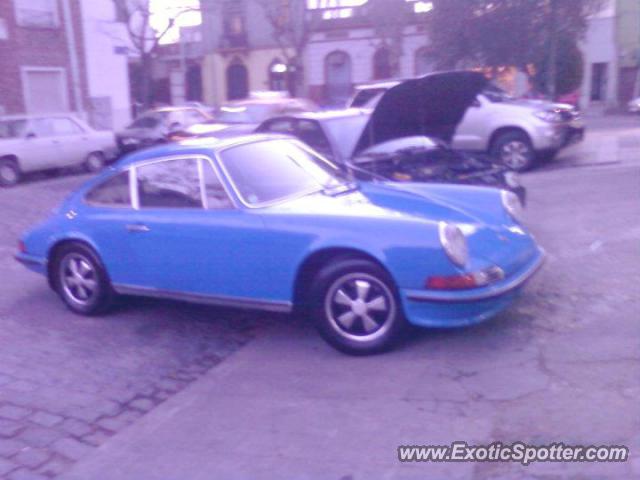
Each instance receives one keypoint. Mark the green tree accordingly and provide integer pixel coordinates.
(495, 33)
(568, 71)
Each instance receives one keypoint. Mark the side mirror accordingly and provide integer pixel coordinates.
(30, 136)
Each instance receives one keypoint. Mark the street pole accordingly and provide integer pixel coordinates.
(553, 50)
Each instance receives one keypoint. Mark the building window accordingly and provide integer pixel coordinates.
(420, 6)
(381, 64)
(338, 78)
(424, 62)
(45, 89)
(37, 13)
(237, 80)
(277, 76)
(4, 30)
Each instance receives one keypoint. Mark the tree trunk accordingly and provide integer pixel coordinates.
(146, 63)
(553, 51)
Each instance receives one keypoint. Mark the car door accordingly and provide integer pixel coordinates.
(41, 149)
(74, 141)
(188, 236)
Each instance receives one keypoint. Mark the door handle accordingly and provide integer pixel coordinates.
(138, 228)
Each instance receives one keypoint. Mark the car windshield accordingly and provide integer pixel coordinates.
(345, 133)
(148, 121)
(243, 113)
(272, 170)
(12, 128)
(496, 94)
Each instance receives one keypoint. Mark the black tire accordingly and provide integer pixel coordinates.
(514, 150)
(95, 282)
(94, 162)
(351, 277)
(10, 173)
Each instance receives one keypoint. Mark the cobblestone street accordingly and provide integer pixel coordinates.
(69, 384)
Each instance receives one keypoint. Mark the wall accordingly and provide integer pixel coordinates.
(106, 65)
(33, 47)
(599, 46)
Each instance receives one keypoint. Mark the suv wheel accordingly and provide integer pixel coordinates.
(9, 173)
(356, 307)
(514, 150)
(80, 280)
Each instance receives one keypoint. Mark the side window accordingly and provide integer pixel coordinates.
(113, 192)
(169, 184)
(216, 196)
(281, 125)
(41, 127)
(194, 116)
(65, 126)
(311, 133)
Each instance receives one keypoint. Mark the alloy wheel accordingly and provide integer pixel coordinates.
(79, 279)
(360, 307)
(515, 154)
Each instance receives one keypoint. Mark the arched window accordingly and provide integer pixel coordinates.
(424, 62)
(382, 64)
(337, 78)
(237, 80)
(278, 76)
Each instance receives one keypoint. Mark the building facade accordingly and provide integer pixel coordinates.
(242, 53)
(53, 58)
(611, 51)
(352, 43)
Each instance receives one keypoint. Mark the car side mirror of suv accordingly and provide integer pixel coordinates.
(30, 136)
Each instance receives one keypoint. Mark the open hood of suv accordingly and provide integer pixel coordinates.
(432, 106)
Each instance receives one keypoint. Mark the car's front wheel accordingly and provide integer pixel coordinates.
(81, 280)
(356, 307)
(514, 150)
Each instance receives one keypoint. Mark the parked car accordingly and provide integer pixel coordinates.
(205, 222)
(406, 137)
(515, 131)
(154, 126)
(634, 105)
(30, 143)
(243, 116)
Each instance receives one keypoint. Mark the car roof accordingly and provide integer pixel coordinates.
(196, 146)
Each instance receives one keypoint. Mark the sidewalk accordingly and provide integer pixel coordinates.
(277, 410)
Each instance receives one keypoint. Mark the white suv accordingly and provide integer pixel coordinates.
(516, 132)
(30, 143)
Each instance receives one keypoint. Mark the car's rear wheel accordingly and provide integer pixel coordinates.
(9, 173)
(514, 150)
(81, 280)
(94, 162)
(356, 307)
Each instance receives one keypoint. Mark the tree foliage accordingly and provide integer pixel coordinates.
(569, 68)
(496, 33)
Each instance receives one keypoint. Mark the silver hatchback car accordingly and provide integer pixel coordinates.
(30, 143)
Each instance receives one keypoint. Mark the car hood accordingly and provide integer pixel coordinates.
(491, 233)
(433, 106)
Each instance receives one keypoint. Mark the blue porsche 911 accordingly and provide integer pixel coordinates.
(264, 222)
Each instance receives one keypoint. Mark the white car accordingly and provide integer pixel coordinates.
(30, 143)
(515, 132)
(634, 105)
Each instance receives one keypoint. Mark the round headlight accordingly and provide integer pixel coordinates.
(512, 205)
(454, 243)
